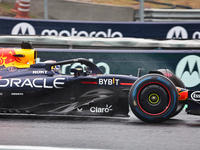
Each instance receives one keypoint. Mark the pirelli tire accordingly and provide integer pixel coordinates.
(153, 98)
(181, 104)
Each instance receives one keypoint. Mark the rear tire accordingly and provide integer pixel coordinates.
(153, 98)
(181, 104)
(177, 82)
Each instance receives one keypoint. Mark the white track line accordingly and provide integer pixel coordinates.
(16, 147)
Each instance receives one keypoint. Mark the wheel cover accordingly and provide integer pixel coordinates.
(154, 99)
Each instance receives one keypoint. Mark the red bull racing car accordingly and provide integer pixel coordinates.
(40, 89)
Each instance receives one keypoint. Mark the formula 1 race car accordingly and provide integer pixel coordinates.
(40, 89)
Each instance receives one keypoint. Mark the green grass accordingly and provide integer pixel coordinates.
(5, 9)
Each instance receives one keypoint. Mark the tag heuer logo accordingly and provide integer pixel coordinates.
(188, 70)
(23, 28)
(177, 32)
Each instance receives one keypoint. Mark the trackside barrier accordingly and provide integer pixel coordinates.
(23, 9)
(169, 15)
(148, 30)
(99, 43)
(15, 9)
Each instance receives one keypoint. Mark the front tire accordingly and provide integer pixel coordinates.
(153, 98)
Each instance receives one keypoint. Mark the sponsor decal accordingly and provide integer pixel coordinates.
(6, 56)
(74, 32)
(24, 28)
(79, 109)
(17, 94)
(107, 82)
(188, 70)
(12, 69)
(179, 32)
(168, 75)
(196, 35)
(106, 109)
(196, 96)
(40, 72)
(112, 81)
(33, 83)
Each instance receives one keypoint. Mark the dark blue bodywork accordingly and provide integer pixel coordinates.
(38, 90)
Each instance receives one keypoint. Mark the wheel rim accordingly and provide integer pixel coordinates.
(154, 98)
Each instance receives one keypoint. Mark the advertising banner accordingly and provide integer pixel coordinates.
(186, 65)
(151, 30)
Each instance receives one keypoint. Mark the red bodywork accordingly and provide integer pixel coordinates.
(182, 93)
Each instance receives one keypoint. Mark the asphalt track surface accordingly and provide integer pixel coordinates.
(180, 133)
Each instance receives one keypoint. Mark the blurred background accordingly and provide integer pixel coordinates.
(108, 10)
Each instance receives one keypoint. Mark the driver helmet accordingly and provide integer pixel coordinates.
(56, 69)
